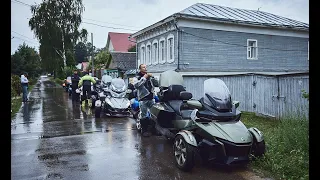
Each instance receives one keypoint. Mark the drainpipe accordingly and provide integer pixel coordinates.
(178, 42)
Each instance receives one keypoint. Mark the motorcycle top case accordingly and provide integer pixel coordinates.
(164, 113)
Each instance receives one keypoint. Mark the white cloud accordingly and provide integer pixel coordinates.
(137, 14)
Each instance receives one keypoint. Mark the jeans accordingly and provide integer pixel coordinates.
(25, 93)
(145, 106)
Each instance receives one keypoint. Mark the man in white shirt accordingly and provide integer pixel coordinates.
(24, 85)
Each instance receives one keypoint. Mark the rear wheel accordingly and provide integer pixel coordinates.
(97, 112)
(183, 153)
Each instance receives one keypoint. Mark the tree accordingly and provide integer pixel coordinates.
(26, 59)
(55, 23)
(132, 49)
(101, 60)
(81, 52)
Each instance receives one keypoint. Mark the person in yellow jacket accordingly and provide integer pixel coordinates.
(85, 82)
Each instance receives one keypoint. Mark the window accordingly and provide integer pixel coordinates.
(162, 55)
(155, 52)
(170, 48)
(143, 54)
(252, 49)
(148, 59)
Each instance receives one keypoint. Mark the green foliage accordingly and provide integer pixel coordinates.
(305, 94)
(81, 52)
(132, 49)
(15, 85)
(26, 59)
(55, 23)
(287, 142)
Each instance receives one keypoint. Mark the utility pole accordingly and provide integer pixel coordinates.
(92, 54)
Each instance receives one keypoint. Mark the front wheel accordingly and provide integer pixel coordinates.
(183, 154)
(97, 112)
(258, 148)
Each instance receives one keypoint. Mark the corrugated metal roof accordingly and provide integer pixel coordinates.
(241, 16)
(238, 73)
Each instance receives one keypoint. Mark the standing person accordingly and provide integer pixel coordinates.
(85, 82)
(74, 85)
(144, 83)
(24, 85)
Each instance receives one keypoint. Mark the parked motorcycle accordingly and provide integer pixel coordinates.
(210, 127)
(67, 85)
(115, 102)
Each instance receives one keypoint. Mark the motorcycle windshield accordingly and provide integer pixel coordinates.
(69, 79)
(170, 77)
(217, 94)
(118, 85)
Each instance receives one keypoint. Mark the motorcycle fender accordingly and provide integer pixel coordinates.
(188, 137)
(256, 134)
(97, 103)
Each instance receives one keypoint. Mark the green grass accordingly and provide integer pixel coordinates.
(287, 142)
(57, 81)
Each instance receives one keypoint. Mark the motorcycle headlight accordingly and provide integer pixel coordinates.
(116, 95)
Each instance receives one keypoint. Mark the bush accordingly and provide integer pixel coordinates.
(15, 85)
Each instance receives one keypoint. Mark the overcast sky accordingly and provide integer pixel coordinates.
(133, 15)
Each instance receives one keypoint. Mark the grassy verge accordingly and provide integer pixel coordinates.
(57, 81)
(17, 101)
(287, 142)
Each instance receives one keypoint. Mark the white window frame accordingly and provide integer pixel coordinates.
(249, 50)
(143, 53)
(155, 52)
(162, 59)
(170, 60)
(148, 53)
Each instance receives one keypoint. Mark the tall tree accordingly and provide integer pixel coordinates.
(55, 23)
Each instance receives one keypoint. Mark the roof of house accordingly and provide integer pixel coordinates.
(231, 15)
(120, 41)
(124, 60)
(241, 15)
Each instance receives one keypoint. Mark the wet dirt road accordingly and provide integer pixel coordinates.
(51, 138)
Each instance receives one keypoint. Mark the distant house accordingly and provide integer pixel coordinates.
(82, 66)
(122, 60)
(262, 57)
(119, 42)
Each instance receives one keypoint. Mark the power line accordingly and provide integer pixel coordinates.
(107, 26)
(215, 40)
(23, 35)
(24, 40)
(111, 23)
(16, 1)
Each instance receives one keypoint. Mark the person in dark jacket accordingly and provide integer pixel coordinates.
(144, 83)
(74, 85)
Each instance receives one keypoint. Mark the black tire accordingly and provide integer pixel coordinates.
(258, 148)
(182, 150)
(97, 112)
